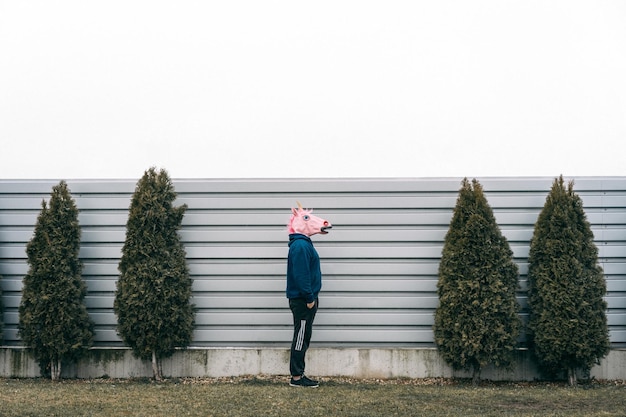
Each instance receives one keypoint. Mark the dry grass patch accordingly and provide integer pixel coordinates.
(271, 396)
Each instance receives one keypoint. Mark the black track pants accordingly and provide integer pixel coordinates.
(302, 330)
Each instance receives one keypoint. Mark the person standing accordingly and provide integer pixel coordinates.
(304, 282)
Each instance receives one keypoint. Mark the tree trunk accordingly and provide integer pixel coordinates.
(55, 369)
(571, 377)
(157, 372)
(476, 375)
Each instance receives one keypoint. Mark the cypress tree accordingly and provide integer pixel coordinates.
(567, 326)
(476, 322)
(152, 300)
(53, 318)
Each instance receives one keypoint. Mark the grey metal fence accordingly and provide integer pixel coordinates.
(379, 262)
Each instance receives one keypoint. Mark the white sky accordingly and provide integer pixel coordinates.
(238, 89)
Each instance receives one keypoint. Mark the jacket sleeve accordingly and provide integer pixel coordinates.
(301, 261)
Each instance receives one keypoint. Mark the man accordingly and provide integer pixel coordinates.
(304, 282)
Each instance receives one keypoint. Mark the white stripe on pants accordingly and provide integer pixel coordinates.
(300, 339)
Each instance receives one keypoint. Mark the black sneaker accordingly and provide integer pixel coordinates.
(310, 380)
(304, 382)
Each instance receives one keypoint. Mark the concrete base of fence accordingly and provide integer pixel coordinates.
(383, 363)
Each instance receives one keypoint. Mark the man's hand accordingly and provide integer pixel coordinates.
(310, 305)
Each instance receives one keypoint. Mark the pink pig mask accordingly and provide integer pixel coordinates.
(303, 222)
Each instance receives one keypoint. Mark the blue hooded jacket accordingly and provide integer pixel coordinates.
(304, 275)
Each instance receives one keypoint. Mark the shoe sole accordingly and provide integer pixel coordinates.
(303, 386)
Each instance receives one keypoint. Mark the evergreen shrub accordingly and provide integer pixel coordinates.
(477, 321)
(53, 318)
(568, 328)
(152, 299)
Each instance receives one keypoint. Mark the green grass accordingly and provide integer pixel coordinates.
(259, 396)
